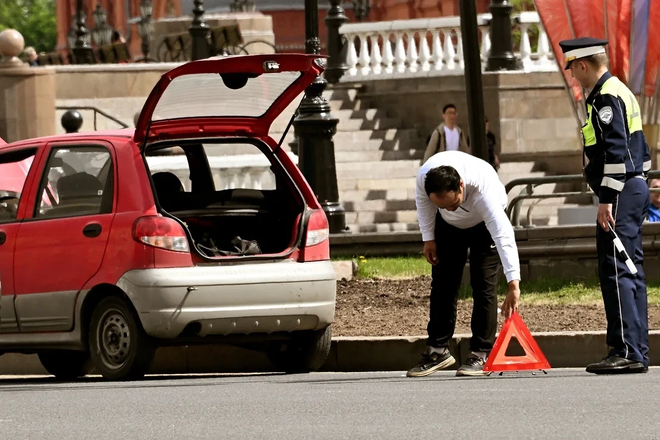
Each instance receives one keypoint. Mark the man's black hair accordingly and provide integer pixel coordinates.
(447, 107)
(441, 180)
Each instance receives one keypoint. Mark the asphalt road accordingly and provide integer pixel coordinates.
(564, 404)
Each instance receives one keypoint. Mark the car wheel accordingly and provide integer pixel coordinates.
(66, 364)
(118, 345)
(305, 352)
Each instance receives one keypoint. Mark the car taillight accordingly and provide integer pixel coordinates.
(317, 240)
(161, 232)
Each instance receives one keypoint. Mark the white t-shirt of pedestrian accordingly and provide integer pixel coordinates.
(451, 135)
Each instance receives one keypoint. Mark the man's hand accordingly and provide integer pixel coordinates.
(510, 304)
(605, 215)
(430, 252)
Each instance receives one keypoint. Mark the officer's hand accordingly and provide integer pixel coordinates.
(430, 252)
(510, 304)
(605, 215)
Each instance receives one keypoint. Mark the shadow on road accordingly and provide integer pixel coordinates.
(224, 379)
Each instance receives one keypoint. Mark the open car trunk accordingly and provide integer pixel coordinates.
(226, 212)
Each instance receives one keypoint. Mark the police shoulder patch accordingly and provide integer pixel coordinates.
(606, 114)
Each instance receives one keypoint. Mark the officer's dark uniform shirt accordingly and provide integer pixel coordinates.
(614, 142)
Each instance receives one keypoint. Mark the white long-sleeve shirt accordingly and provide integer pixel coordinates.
(484, 200)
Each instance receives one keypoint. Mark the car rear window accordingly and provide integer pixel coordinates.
(212, 95)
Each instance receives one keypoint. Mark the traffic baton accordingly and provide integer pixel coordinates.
(622, 250)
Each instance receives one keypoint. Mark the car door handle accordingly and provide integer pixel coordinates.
(3, 238)
(93, 230)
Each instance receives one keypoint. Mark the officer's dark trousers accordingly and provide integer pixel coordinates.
(452, 247)
(624, 294)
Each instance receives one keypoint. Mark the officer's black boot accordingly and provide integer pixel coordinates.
(614, 365)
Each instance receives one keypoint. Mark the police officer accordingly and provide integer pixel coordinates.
(618, 162)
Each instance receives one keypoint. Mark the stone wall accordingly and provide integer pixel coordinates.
(530, 113)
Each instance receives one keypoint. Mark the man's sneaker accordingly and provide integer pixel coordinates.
(432, 362)
(614, 365)
(473, 366)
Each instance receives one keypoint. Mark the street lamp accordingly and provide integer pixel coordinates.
(102, 33)
(501, 55)
(361, 9)
(315, 126)
(145, 28)
(200, 33)
(243, 6)
(82, 51)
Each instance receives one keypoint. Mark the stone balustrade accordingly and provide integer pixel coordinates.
(246, 171)
(426, 47)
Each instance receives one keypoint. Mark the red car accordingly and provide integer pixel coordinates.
(102, 260)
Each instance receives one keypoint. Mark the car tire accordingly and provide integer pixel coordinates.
(118, 345)
(66, 364)
(305, 352)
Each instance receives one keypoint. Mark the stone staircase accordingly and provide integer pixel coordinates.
(376, 160)
(376, 164)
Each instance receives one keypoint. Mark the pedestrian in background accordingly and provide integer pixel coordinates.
(447, 136)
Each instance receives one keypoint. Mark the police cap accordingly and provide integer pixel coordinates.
(581, 48)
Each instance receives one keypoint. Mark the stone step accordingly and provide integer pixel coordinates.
(398, 169)
(375, 217)
(383, 227)
(357, 196)
(381, 205)
(376, 156)
(345, 124)
(348, 184)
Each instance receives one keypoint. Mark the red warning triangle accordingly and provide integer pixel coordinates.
(533, 359)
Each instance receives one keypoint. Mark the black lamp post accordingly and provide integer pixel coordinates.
(145, 28)
(501, 55)
(82, 51)
(315, 126)
(336, 44)
(473, 84)
(102, 33)
(200, 33)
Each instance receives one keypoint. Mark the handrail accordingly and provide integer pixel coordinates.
(530, 183)
(96, 110)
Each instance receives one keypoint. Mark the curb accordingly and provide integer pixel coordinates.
(351, 354)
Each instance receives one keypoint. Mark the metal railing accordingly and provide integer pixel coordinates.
(95, 110)
(531, 183)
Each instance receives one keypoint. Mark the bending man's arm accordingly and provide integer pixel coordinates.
(504, 237)
(426, 212)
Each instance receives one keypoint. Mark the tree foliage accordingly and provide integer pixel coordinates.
(34, 19)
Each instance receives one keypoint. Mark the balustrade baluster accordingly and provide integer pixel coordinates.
(376, 59)
(543, 47)
(424, 52)
(450, 54)
(400, 55)
(388, 57)
(364, 60)
(459, 43)
(525, 46)
(437, 51)
(351, 58)
(412, 57)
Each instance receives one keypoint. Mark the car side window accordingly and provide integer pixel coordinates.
(14, 169)
(78, 181)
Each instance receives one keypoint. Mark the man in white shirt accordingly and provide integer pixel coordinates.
(461, 205)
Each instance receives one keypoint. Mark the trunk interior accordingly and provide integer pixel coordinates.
(224, 218)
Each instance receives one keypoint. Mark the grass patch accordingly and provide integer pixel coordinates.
(544, 291)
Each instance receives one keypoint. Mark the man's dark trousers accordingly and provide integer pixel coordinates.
(624, 294)
(452, 246)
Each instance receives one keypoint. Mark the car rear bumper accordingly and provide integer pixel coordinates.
(272, 297)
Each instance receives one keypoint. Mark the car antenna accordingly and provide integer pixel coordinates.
(279, 145)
